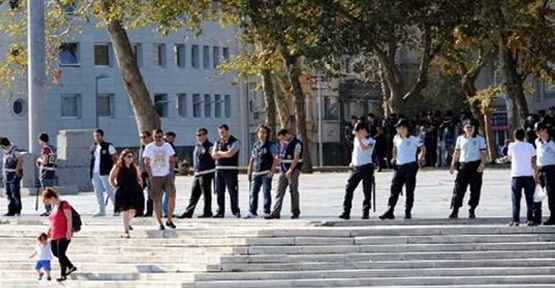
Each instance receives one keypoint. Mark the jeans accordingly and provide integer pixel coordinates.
(529, 186)
(101, 184)
(48, 179)
(12, 183)
(164, 203)
(227, 178)
(362, 173)
(59, 249)
(257, 183)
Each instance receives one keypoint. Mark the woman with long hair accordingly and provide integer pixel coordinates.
(60, 231)
(126, 179)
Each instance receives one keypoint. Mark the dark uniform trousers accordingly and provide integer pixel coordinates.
(227, 178)
(467, 175)
(12, 183)
(202, 186)
(548, 182)
(362, 173)
(404, 175)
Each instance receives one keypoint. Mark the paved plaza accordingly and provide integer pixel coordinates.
(322, 196)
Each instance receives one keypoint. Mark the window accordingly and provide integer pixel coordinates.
(225, 52)
(180, 55)
(207, 106)
(71, 106)
(194, 56)
(137, 51)
(182, 105)
(160, 55)
(69, 54)
(331, 108)
(196, 105)
(102, 55)
(227, 106)
(215, 56)
(206, 57)
(218, 106)
(19, 107)
(105, 105)
(161, 104)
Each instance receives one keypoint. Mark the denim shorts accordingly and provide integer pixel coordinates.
(43, 264)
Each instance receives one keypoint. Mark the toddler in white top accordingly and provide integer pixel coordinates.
(43, 253)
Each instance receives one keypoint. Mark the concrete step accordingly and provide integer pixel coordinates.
(440, 239)
(106, 276)
(402, 264)
(96, 267)
(349, 257)
(367, 273)
(148, 256)
(74, 283)
(383, 282)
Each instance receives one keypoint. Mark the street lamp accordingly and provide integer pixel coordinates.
(96, 95)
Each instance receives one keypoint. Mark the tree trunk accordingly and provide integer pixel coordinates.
(145, 114)
(488, 129)
(282, 103)
(269, 99)
(294, 72)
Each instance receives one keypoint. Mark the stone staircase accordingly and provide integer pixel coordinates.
(286, 253)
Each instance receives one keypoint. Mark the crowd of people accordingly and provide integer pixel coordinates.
(142, 183)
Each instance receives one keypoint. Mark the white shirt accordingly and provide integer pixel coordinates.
(44, 252)
(546, 152)
(521, 154)
(406, 148)
(111, 150)
(470, 148)
(159, 158)
(362, 156)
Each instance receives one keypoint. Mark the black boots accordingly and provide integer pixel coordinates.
(388, 214)
(471, 214)
(454, 214)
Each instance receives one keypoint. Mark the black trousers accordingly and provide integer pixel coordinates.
(467, 175)
(59, 249)
(202, 186)
(227, 179)
(548, 181)
(365, 174)
(404, 175)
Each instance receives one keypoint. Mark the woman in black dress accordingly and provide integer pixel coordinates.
(126, 179)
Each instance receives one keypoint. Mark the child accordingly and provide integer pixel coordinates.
(44, 255)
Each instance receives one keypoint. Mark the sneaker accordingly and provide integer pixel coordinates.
(250, 216)
(170, 224)
(184, 215)
(515, 223)
(48, 278)
(161, 228)
(45, 214)
(40, 276)
(219, 216)
(270, 216)
(344, 216)
(99, 214)
(61, 279)
(70, 270)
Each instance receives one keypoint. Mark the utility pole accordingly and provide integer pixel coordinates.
(36, 78)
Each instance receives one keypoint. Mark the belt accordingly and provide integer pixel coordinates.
(364, 165)
(227, 167)
(260, 173)
(48, 168)
(291, 161)
(9, 170)
(205, 172)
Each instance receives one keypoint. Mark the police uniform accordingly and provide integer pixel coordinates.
(204, 168)
(227, 170)
(263, 155)
(405, 169)
(287, 154)
(545, 159)
(12, 182)
(471, 149)
(47, 172)
(362, 170)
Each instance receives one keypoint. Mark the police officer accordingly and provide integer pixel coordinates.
(291, 156)
(47, 166)
(363, 169)
(204, 167)
(405, 163)
(545, 160)
(260, 170)
(226, 154)
(13, 172)
(471, 155)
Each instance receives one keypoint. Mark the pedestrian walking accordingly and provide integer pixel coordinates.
(47, 166)
(204, 168)
(545, 160)
(405, 164)
(159, 164)
(13, 173)
(60, 231)
(43, 253)
(471, 157)
(126, 179)
(260, 171)
(291, 162)
(145, 139)
(362, 170)
(169, 137)
(523, 172)
(103, 158)
(226, 153)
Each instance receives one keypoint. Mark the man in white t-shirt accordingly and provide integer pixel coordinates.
(160, 161)
(523, 170)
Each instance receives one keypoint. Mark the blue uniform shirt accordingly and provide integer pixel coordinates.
(470, 148)
(360, 155)
(406, 148)
(545, 152)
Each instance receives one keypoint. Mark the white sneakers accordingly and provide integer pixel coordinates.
(99, 214)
